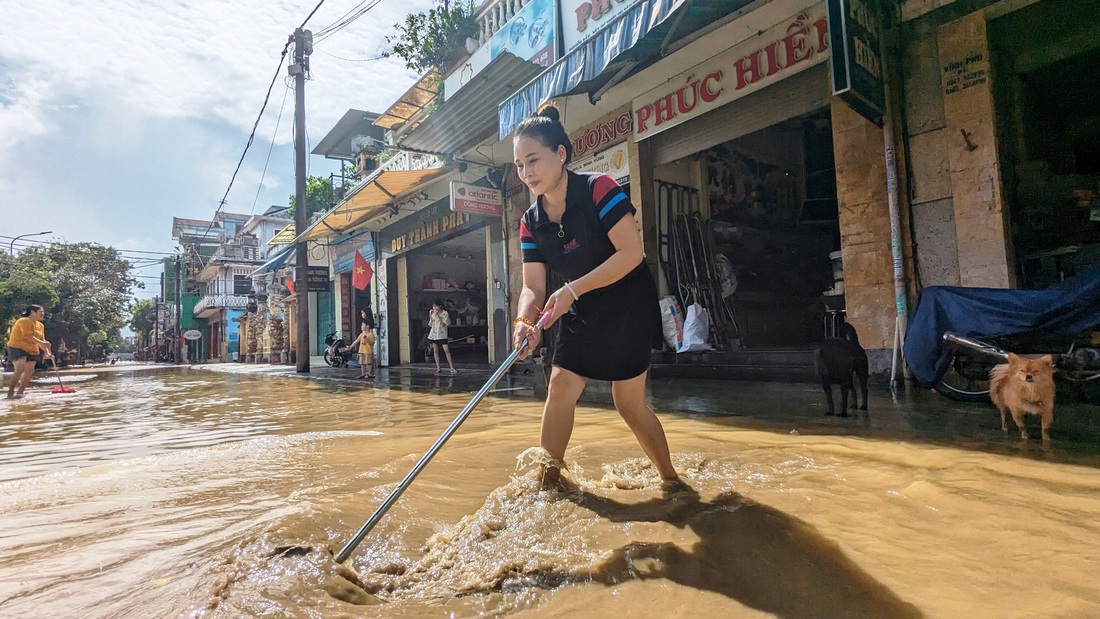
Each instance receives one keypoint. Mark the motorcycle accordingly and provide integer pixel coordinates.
(957, 334)
(966, 377)
(337, 352)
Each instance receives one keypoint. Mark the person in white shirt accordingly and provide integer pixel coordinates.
(438, 321)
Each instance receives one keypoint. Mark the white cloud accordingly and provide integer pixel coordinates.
(116, 116)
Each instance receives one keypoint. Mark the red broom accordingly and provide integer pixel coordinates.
(61, 388)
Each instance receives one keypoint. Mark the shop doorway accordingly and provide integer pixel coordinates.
(1047, 66)
(454, 273)
(749, 229)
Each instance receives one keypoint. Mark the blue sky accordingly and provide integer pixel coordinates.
(117, 115)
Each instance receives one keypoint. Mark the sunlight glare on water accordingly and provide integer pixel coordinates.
(201, 494)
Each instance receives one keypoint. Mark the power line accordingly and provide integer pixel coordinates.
(349, 59)
(274, 134)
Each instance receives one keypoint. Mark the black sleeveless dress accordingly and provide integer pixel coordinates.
(609, 333)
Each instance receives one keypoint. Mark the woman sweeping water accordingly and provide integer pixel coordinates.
(581, 227)
(26, 346)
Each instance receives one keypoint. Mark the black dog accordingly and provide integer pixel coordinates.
(836, 360)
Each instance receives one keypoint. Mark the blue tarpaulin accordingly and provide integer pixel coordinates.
(587, 61)
(1061, 310)
(276, 262)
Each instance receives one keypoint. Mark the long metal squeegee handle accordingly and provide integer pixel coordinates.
(346, 551)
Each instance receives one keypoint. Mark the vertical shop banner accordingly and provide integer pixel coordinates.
(855, 37)
(529, 34)
(383, 315)
(233, 334)
(467, 198)
(785, 49)
(581, 19)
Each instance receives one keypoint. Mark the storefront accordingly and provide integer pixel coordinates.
(741, 148)
(356, 305)
(451, 257)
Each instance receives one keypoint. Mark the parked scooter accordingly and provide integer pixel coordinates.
(337, 352)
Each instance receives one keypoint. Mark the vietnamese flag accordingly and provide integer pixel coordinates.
(360, 277)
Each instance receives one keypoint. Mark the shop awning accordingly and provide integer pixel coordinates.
(284, 236)
(410, 107)
(370, 200)
(275, 263)
(472, 110)
(626, 45)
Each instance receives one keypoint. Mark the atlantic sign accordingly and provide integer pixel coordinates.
(466, 198)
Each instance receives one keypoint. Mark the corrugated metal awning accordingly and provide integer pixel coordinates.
(370, 200)
(473, 109)
(284, 236)
(410, 107)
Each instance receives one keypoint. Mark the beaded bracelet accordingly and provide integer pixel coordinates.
(525, 321)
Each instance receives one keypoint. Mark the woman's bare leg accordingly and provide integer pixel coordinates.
(447, 351)
(16, 376)
(435, 355)
(631, 403)
(28, 373)
(557, 417)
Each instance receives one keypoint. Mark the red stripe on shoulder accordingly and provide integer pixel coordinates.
(604, 185)
(523, 230)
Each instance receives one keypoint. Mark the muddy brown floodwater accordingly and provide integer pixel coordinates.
(198, 494)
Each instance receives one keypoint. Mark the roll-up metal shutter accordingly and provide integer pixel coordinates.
(794, 96)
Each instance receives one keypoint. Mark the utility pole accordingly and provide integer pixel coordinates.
(156, 326)
(303, 47)
(179, 309)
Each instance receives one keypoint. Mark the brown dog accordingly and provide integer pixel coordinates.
(1024, 386)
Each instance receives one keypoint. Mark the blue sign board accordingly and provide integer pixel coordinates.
(343, 254)
(529, 34)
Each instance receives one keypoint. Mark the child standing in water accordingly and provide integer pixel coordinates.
(366, 351)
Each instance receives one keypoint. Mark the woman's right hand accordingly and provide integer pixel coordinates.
(533, 336)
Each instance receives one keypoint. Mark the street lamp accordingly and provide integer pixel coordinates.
(11, 246)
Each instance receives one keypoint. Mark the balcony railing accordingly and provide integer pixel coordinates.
(494, 15)
(237, 252)
(221, 301)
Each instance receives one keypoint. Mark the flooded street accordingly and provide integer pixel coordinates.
(196, 493)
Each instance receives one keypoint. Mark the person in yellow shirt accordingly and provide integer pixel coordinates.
(26, 347)
(366, 351)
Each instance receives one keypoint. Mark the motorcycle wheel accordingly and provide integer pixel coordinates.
(966, 379)
(333, 359)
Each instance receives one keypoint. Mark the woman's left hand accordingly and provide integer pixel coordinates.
(561, 301)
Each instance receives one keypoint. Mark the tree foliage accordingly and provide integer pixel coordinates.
(319, 197)
(84, 287)
(143, 314)
(428, 40)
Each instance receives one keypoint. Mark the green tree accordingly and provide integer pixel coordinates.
(319, 197)
(141, 321)
(21, 289)
(428, 40)
(92, 285)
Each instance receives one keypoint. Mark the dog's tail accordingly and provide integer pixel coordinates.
(848, 332)
(997, 378)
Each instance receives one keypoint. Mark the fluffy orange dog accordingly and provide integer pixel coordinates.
(1024, 386)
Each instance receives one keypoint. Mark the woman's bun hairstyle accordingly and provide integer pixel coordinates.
(30, 310)
(545, 126)
(550, 111)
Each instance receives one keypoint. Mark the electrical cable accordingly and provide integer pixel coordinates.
(274, 134)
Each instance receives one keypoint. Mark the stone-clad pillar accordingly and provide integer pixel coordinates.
(972, 153)
(864, 230)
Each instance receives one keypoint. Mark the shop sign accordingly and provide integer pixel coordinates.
(787, 48)
(467, 198)
(528, 35)
(614, 161)
(192, 335)
(582, 18)
(429, 223)
(854, 35)
(317, 279)
(614, 127)
(343, 254)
